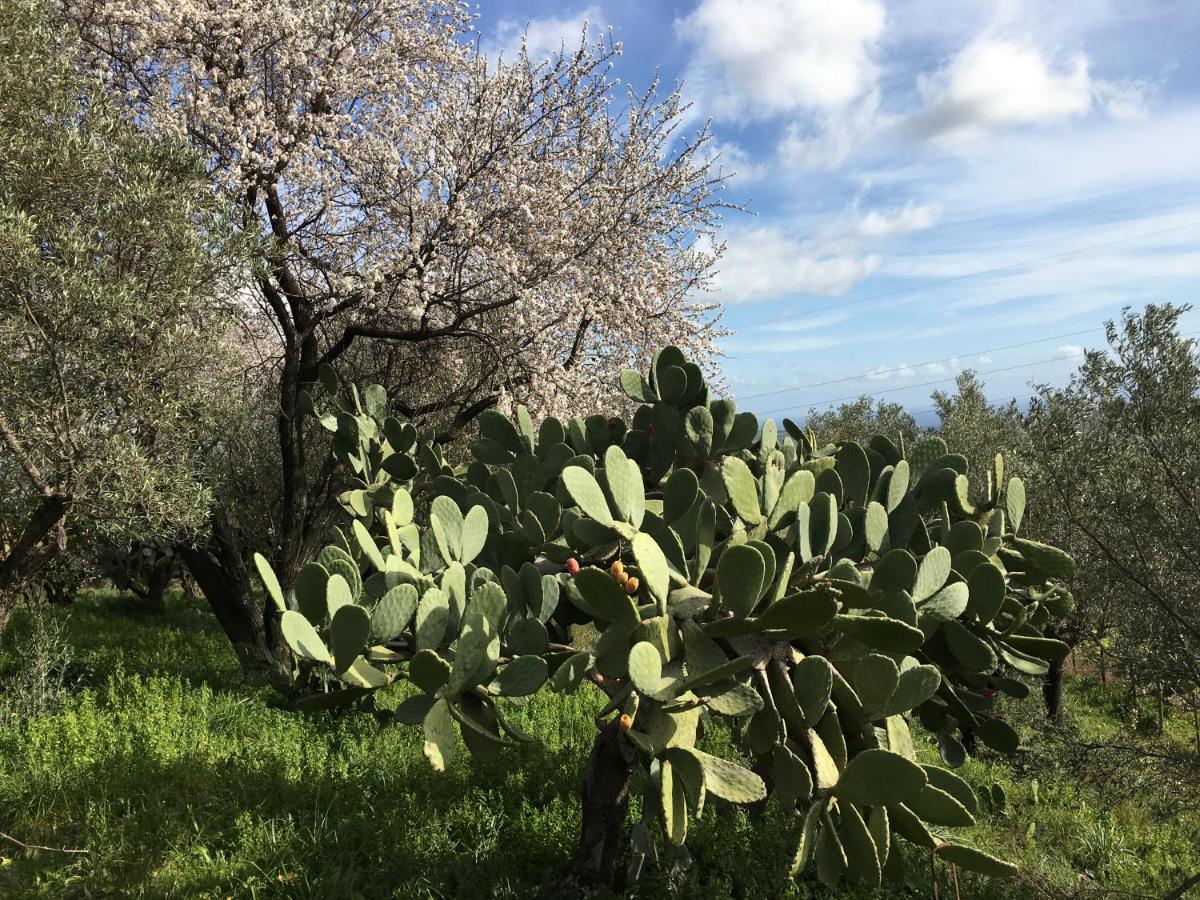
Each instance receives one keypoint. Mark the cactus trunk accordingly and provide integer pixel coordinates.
(605, 802)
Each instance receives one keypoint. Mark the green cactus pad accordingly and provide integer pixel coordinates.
(393, 612)
(587, 494)
(882, 633)
(812, 681)
(728, 780)
(439, 736)
(741, 487)
(270, 581)
(523, 676)
(310, 589)
(862, 856)
(653, 566)
(932, 574)
(880, 778)
(348, 632)
(973, 860)
(302, 638)
(803, 614)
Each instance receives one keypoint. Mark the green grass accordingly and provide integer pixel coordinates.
(181, 782)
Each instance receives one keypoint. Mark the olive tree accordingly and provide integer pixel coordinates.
(1119, 447)
(111, 252)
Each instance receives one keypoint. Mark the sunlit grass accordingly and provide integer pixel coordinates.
(181, 782)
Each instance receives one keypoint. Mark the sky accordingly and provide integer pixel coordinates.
(927, 183)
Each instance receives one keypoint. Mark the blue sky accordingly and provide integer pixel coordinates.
(927, 183)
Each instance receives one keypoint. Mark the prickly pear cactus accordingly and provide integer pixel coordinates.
(819, 599)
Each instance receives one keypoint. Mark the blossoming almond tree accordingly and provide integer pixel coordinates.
(501, 229)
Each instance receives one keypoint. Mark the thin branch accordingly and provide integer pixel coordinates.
(9, 837)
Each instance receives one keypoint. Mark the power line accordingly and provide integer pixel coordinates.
(906, 387)
(963, 277)
(902, 367)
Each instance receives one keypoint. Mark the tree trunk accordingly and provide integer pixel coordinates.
(42, 537)
(605, 802)
(222, 576)
(157, 583)
(1052, 687)
(1052, 692)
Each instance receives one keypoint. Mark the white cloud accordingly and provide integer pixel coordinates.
(546, 36)
(760, 58)
(732, 160)
(885, 223)
(1067, 351)
(1001, 82)
(765, 263)
(982, 360)
(826, 139)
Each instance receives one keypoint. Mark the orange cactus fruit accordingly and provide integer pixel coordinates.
(626, 721)
(631, 586)
(617, 568)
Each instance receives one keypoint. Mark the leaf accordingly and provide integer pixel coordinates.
(742, 488)
(855, 471)
(645, 668)
(973, 653)
(270, 582)
(875, 526)
(812, 681)
(310, 589)
(439, 736)
(976, 861)
(474, 533)
(393, 612)
(521, 677)
(337, 594)
(605, 597)
(652, 564)
(587, 494)
(987, 590)
(369, 548)
(740, 574)
(934, 570)
(1046, 559)
(1014, 502)
(625, 485)
(302, 637)
(802, 614)
(348, 632)
(880, 778)
(882, 633)
(446, 520)
(433, 614)
(728, 780)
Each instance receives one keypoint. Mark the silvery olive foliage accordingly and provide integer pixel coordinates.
(694, 564)
(112, 250)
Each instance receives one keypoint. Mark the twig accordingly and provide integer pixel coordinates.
(9, 837)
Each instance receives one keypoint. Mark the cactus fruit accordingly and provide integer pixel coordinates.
(819, 597)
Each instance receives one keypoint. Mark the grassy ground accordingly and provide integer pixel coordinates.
(181, 782)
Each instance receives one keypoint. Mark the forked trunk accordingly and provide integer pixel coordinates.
(222, 576)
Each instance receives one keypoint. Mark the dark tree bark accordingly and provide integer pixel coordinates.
(1052, 686)
(42, 538)
(222, 576)
(605, 803)
(1052, 693)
